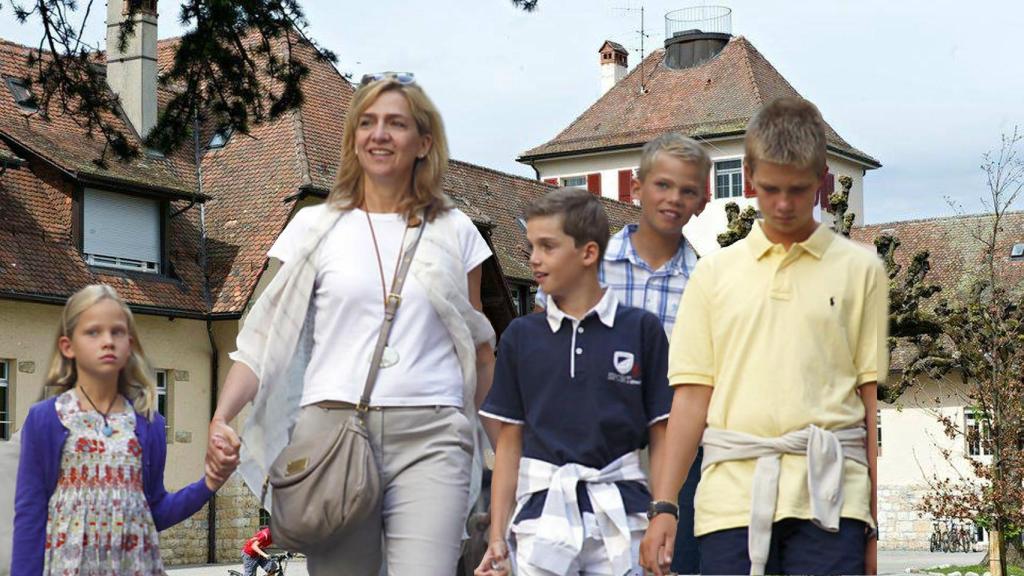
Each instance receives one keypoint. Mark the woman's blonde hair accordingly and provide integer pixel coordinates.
(428, 172)
(134, 382)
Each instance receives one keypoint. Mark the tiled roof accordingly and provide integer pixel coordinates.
(503, 198)
(63, 142)
(717, 98)
(955, 253)
(246, 182)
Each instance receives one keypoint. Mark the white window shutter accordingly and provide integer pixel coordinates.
(121, 227)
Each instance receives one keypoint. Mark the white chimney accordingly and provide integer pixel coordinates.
(132, 73)
(613, 64)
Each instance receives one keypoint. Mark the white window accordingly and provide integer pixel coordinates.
(878, 428)
(121, 231)
(163, 399)
(580, 181)
(728, 179)
(6, 401)
(976, 432)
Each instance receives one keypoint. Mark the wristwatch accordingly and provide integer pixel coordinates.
(662, 507)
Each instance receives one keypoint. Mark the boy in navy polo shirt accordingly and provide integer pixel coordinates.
(580, 389)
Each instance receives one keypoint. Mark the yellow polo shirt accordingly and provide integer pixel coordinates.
(785, 338)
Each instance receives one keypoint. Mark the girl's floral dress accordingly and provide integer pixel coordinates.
(99, 522)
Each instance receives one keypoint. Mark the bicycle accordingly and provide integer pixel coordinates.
(276, 566)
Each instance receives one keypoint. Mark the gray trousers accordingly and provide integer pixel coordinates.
(424, 455)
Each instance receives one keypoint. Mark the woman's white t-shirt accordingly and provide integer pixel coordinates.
(349, 308)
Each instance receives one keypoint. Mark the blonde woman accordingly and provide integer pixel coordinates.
(90, 494)
(305, 376)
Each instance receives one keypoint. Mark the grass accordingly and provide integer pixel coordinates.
(977, 568)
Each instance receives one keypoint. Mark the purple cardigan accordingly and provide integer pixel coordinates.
(42, 443)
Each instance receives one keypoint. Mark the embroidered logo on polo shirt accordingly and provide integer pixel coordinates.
(627, 371)
(623, 362)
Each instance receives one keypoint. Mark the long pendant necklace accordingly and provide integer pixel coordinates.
(107, 430)
(390, 356)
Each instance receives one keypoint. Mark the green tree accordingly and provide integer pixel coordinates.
(229, 65)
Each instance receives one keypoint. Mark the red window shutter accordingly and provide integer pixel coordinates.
(552, 181)
(594, 184)
(748, 189)
(828, 186)
(625, 186)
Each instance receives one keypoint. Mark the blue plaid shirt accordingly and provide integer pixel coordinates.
(636, 284)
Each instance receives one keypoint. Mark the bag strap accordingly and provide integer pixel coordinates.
(390, 309)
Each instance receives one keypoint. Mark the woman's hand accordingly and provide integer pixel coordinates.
(495, 561)
(222, 449)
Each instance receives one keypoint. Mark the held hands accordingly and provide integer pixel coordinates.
(221, 454)
(656, 548)
(495, 561)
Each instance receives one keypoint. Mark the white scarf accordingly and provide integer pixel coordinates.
(559, 538)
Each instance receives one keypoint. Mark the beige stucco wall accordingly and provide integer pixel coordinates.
(911, 458)
(702, 231)
(27, 340)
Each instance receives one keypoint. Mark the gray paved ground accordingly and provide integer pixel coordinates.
(296, 567)
(889, 562)
(897, 562)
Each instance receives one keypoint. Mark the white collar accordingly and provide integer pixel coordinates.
(605, 310)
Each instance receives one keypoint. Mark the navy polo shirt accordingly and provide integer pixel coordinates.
(585, 391)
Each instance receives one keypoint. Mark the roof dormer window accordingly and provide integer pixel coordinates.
(220, 137)
(23, 96)
(121, 231)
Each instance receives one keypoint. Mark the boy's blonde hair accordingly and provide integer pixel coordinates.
(678, 146)
(134, 382)
(428, 193)
(788, 130)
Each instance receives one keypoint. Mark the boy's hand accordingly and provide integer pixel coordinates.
(657, 546)
(495, 561)
(871, 557)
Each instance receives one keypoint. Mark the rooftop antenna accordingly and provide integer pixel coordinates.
(643, 34)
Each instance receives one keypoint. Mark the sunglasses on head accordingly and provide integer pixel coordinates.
(403, 78)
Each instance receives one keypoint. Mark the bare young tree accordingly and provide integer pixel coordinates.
(984, 331)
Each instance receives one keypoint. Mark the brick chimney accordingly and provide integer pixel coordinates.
(613, 64)
(132, 73)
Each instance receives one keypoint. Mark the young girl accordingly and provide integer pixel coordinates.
(90, 494)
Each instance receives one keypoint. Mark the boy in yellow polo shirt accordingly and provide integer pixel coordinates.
(775, 359)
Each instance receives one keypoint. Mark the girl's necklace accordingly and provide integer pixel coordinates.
(390, 355)
(107, 430)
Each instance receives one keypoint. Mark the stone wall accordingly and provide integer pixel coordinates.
(238, 519)
(900, 525)
(185, 543)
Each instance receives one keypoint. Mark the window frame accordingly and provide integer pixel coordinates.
(7, 391)
(165, 392)
(731, 172)
(972, 420)
(564, 181)
(878, 432)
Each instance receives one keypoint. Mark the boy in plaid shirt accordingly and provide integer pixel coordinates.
(647, 265)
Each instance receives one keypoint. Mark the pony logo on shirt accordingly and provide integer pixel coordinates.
(627, 371)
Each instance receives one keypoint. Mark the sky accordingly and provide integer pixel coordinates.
(925, 87)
